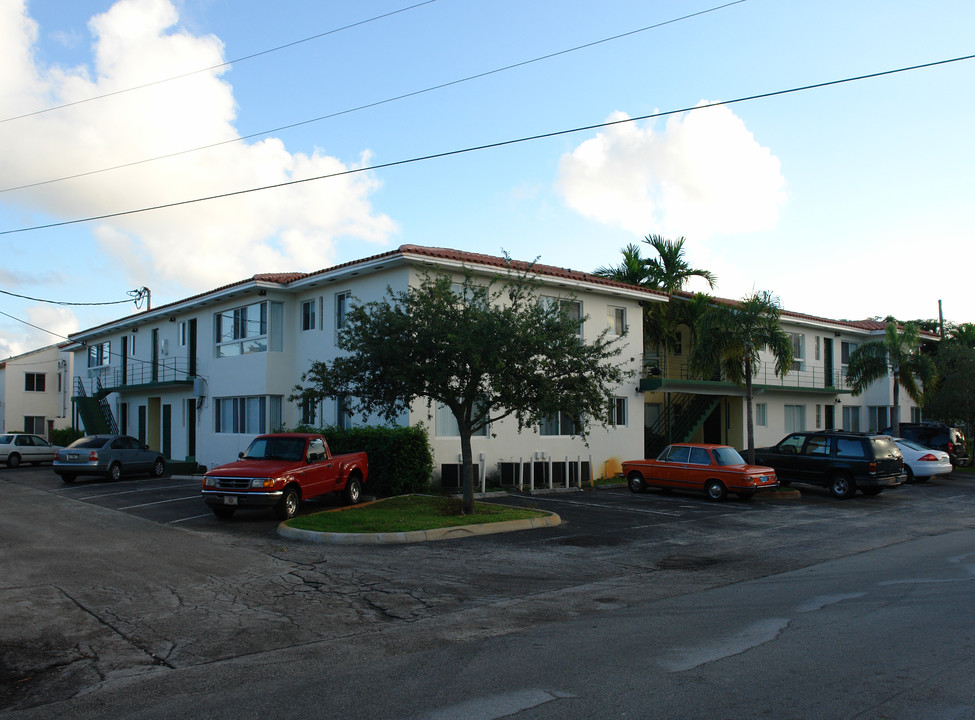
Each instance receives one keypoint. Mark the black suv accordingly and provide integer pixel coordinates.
(839, 460)
(939, 436)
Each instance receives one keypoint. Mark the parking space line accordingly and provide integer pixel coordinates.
(129, 492)
(161, 502)
(193, 517)
(609, 507)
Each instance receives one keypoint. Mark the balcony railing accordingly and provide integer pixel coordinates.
(167, 370)
(814, 378)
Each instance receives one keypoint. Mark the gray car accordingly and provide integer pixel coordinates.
(109, 455)
(16, 448)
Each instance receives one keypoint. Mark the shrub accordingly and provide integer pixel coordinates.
(65, 436)
(400, 458)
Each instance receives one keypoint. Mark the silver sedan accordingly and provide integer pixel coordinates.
(109, 455)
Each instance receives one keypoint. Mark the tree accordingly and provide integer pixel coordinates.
(731, 337)
(963, 334)
(486, 351)
(952, 397)
(634, 269)
(896, 353)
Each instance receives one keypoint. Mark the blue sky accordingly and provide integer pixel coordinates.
(849, 201)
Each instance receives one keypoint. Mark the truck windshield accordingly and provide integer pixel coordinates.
(276, 448)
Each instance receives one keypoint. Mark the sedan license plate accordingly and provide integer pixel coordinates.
(72, 456)
(229, 499)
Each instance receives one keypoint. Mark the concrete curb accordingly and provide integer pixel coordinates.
(447, 533)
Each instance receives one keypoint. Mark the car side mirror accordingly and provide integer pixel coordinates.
(240, 455)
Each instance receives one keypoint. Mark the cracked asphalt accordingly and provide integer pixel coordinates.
(95, 594)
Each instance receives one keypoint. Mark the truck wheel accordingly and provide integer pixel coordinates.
(715, 490)
(287, 506)
(224, 513)
(635, 482)
(841, 487)
(353, 490)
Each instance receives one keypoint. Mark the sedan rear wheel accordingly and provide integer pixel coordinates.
(715, 490)
(158, 467)
(115, 471)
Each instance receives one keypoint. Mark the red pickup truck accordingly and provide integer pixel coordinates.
(279, 471)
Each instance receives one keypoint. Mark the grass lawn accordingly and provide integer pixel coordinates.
(967, 470)
(406, 513)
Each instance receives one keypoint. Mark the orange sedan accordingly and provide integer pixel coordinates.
(715, 470)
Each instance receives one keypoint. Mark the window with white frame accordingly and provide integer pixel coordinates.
(246, 415)
(847, 349)
(617, 411)
(100, 355)
(559, 424)
(309, 411)
(342, 300)
(851, 418)
(242, 330)
(795, 418)
(182, 334)
(798, 350)
(915, 414)
(616, 320)
(343, 414)
(761, 414)
(34, 382)
(878, 418)
(572, 308)
(34, 424)
(308, 315)
(817, 347)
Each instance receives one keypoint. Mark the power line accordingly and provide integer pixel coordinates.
(219, 65)
(488, 146)
(62, 302)
(377, 103)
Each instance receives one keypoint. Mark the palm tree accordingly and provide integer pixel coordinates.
(731, 337)
(633, 270)
(896, 353)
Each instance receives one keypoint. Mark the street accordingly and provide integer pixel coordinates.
(130, 599)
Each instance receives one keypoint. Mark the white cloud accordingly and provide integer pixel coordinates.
(19, 338)
(193, 247)
(704, 175)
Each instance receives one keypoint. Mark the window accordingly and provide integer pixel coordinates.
(679, 343)
(241, 415)
(616, 320)
(817, 347)
(915, 414)
(308, 315)
(851, 418)
(798, 350)
(761, 414)
(617, 411)
(99, 355)
(182, 334)
(341, 309)
(309, 411)
(446, 424)
(242, 330)
(847, 349)
(850, 447)
(795, 418)
(816, 445)
(34, 424)
(651, 414)
(560, 424)
(572, 308)
(343, 415)
(699, 456)
(878, 418)
(34, 382)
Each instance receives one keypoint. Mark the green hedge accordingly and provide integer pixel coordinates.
(65, 436)
(400, 458)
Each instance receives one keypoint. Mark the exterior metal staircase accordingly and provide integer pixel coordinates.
(96, 413)
(683, 415)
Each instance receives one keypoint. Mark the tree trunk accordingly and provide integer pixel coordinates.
(895, 423)
(750, 428)
(467, 470)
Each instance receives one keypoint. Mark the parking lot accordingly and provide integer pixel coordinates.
(606, 516)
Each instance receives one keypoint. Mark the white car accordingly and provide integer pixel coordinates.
(921, 462)
(16, 448)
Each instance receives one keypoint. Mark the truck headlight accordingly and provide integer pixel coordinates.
(262, 483)
(209, 481)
